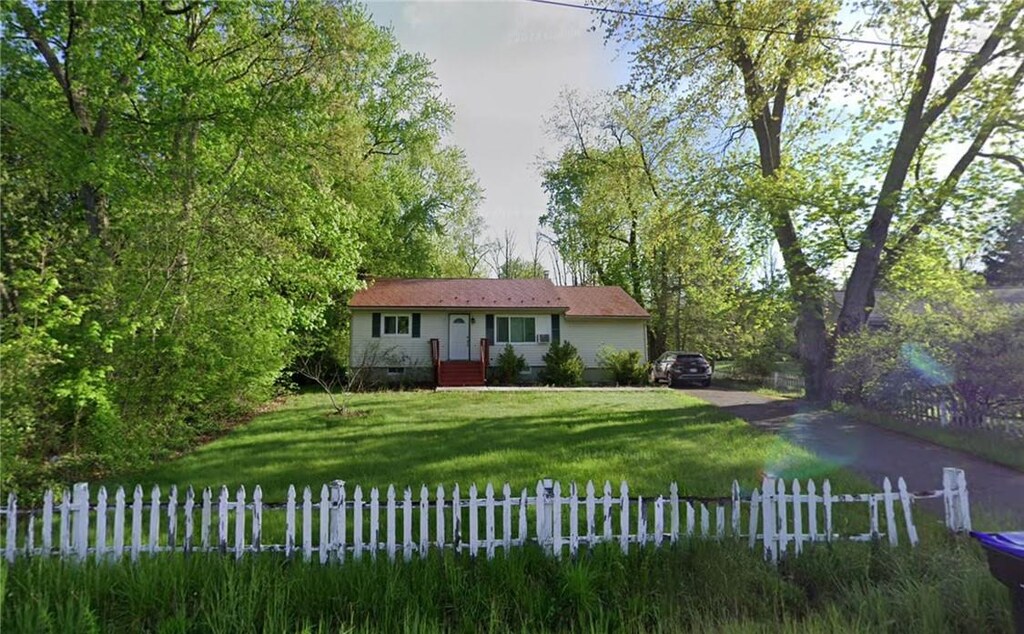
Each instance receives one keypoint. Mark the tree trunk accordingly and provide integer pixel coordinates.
(815, 350)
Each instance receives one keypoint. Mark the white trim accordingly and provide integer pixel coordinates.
(383, 326)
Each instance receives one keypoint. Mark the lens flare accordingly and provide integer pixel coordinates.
(922, 363)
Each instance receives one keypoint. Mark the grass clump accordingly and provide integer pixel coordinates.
(694, 586)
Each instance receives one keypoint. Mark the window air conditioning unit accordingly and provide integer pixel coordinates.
(543, 338)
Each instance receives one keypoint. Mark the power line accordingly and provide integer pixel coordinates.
(696, 22)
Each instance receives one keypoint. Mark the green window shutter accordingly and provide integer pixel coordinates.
(503, 329)
(556, 329)
(489, 327)
(416, 325)
(375, 325)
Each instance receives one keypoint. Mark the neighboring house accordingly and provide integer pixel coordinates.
(878, 319)
(448, 330)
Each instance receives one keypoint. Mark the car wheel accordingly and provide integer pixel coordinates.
(706, 383)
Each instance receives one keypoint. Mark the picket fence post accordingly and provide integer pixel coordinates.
(357, 523)
(172, 518)
(101, 524)
(590, 506)
(205, 516)
(908, 515)
(439, 530)
(240, 522)
(798, 519)
(136, 523)
(624, 517)
(736, 509)
(407, 524)
(12, 527)
(119, 524)
(307, 524)
(65, 530)
(390, 543)
(47, 537)
(325, 523)
(890, 512)
(289, 523)
(375, 521)
(424, 520)
(606, 507)
(574, 520)
(190, 501)
(257, 519)
(506, 518)
(489, 520)
(674, 503)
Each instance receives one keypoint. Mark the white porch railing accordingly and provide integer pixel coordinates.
(780, 517)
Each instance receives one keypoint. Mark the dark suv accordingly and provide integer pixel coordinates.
(690, 367)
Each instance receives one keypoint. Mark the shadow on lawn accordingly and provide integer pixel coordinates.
(422, 439)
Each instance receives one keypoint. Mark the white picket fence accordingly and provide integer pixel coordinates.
(777, 516)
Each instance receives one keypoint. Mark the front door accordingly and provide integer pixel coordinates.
(458, 337)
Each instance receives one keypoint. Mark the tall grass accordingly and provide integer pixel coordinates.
(701, 586)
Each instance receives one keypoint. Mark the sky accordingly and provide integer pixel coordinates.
(501, 64)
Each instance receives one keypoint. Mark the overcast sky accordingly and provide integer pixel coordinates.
(502, 64)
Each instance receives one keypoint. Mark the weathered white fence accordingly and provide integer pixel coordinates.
(564, 520)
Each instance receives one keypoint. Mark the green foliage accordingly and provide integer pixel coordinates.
(632, 203)
(699, 586)
(946, 340)
(194, 212)
(1004, 260)
(563, 365)
(509, 365)
(626, 366)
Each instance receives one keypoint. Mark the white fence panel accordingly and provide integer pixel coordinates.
(780, 521)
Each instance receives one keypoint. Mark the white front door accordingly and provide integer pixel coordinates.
(458, 337)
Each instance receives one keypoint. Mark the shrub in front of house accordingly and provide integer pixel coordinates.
(563, 365)
(509, 365)
(626, 366)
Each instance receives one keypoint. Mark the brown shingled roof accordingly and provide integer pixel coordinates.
(577, 301)
(600, 301)
(458, 293)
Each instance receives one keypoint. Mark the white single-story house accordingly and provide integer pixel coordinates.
(448, 331)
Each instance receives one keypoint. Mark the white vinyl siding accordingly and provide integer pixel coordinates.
(394, 351)
(590, 335)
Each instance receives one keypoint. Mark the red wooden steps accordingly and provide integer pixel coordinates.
(460, 374)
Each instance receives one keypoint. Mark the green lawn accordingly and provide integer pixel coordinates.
(649, 438)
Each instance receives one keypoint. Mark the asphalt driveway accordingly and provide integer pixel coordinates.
(997, 492)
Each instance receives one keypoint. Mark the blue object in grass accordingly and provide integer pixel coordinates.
(1010, 543)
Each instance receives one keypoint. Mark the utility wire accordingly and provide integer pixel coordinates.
(696, 22)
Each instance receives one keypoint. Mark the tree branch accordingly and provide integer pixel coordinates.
(1016, 161)
(973, 66)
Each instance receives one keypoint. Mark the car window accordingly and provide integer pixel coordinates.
(689, 357)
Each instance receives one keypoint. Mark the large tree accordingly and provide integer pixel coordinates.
(190, 191)
(776, 69)
(622, 212)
